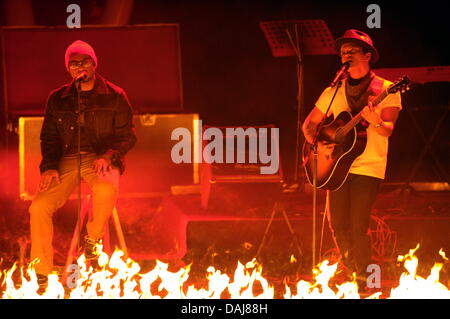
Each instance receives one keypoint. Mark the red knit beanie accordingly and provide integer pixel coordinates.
(79, 47)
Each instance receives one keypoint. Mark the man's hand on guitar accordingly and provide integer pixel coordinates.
(309, 132)
(368, 113)
(309, 138)
(326, 148)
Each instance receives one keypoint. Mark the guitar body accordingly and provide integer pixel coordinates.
(334, 160)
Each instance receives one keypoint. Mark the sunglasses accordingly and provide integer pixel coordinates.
(351, 52)
(85, 63)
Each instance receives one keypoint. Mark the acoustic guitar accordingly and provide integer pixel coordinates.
(339, 144)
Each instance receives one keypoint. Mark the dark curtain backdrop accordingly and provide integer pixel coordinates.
(230, 77)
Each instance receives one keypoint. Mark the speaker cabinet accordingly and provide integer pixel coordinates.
(239, 186)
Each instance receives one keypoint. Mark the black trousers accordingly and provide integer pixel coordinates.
(350, 208)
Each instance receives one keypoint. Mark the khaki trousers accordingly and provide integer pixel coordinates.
(104, 196)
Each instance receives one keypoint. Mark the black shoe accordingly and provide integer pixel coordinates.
(91, 251)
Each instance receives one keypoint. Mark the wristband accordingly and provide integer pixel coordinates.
(379, 125)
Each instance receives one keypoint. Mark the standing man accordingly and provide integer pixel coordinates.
(106, 134)
(351, 204)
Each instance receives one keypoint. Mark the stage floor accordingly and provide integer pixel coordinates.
(176, 230)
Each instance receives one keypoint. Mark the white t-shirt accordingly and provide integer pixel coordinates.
(372, 162)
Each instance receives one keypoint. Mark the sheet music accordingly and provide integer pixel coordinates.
(314, 36)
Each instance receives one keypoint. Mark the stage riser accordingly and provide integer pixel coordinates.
(230, 236)
(240, 240)
(179, 228)
(166, 231)
(149, 166)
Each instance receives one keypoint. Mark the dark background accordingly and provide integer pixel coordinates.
(231, 78)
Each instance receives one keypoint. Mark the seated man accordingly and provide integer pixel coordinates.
(96, 139)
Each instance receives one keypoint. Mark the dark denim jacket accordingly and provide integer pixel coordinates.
(108, 117)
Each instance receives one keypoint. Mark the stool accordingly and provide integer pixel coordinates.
(86, 210)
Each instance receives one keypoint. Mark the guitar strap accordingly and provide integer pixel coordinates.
(376, 86)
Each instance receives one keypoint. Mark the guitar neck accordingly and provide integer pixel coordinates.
(357, 118)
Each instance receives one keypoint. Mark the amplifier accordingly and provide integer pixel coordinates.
(237, 181)
(149, 168)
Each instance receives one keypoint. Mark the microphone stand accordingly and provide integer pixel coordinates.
(315, 155)
(78, 83)
(298, 54)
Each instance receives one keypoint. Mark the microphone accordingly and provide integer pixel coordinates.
(81, 76)
(339, 74)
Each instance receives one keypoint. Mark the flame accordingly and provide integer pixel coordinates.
(442, 253)
(413, 286)
(29, 287)
(293, 259)
(120, 277)
(321, 288)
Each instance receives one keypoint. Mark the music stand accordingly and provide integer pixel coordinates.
(312, 37)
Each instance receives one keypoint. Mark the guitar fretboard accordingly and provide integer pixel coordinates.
(357, 118)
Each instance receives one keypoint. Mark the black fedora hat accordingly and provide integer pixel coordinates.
(359, 38)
